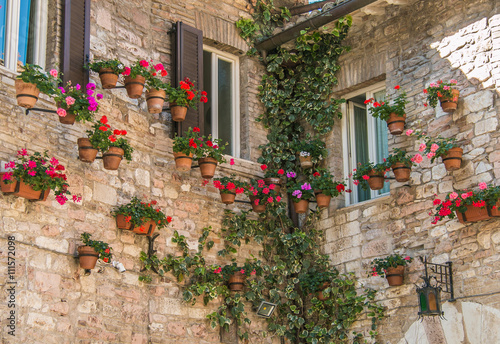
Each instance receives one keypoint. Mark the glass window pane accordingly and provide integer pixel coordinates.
(225, 103)
(207, 85)
(361, 142)
(3, 13)
(381, 139)
(24, 21)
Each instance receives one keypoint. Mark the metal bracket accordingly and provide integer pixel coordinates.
(443, 276)
(151, 250)
(39, 109)
(238, 201)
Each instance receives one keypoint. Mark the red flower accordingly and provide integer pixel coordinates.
(184, 86)
(59, 168)
(281, 171)
(126, 71)
(365, 177)
(340, 187)
(104, 120)
(436, 202)
(425, 91)
(106, 250)
(196, 130)
(263, 167)
(103, 128)
(169, 219)
(116, 132)
(164, 73)
(209, 143)
(112, 138)
(203, 93)
(105, 260)
(396, 87)
(123, 132)
(144, 63)
(316, 174)
(190, 95)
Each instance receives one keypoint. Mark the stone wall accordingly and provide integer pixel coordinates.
(413, 44)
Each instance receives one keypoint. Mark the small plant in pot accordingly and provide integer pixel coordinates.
(300, 192)
(135, 78)
(261, 195)
(209, 154)
(394, 115)
(73, 104)
(32, 177)
(445, 147)
(109, 71)
(370, 175)
(111, 143)
(140, 217)
(182, 97)
(325, 187)
(33, 80)
(311, 151)
(272, 175)
(91, 251)
(228, 188)
(314, 282)
(156, 88)
(445, 93)
(401, 164)
(236, 274)
(184, 148)
(392, 267)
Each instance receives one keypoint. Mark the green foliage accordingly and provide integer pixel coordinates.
(379, 265)
(383, 110)
(46, 83)
(102, 137)
(322, 180)
(100, 247)
(137, 212)
(399, 156)
(114, 64)
(313, 147)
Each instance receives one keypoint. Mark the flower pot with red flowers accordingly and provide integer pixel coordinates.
(135, 78)
(140, 217)
(325, 187)
(236, 275)
(272, 176)
(182, 97)
(108, 70)
(261, 195)
(300, 192)
(394, 115)
(111, 143)
(401, 164)
(184, 148)
(311, 151)
(33, 80)
(370, 175)
(445, 93)
(34, 176)
(91, 251)
(228, 188)
(209, 154)
(74, 104)
(467, 205)
(392, 267)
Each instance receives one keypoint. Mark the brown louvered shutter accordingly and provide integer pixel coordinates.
(76, 41)
(189, 63)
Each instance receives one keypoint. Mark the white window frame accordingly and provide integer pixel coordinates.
(12, 33)
(349, 142)
(234, 60)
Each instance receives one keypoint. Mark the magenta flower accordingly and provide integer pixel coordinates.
(54, 161)
(242, 271)
(61, 112)
(297, 193)
(7, 176)
(91, 86)
(483, 186)
(22, 152)
(99, 96)
(10, 164)
(53, 72)
(31, 164)
(32, 173)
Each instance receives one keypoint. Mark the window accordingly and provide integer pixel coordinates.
(23, 32)
(364, 138)
(221, 112)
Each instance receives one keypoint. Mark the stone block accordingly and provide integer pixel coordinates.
(104, 193)
(374, 248)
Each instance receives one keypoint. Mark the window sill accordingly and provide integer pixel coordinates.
(355, 206)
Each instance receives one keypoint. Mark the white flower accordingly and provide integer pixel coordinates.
(303, 153)
(120, 66)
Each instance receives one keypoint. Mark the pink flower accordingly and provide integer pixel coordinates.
(265, 191)
(10, 164)
(22, 152)
(453, 81)
(253, 272)
(418, 158)
(483, 186)
(144, 63)
(464, 195)
(53, 72)
(270, 200)
(434, 147)
(365, 177)
(446, 88)
(70, 100)
(422, 147)
(7, 176)
(242, 271)
(278, 198)
(54, 161)
(31, 164)
(77, 199)
(231, 162)
(256, 201)
(430, 155)
(355, 181)
(409, 132)
(453, 195)
(61, 112)
(407, 258)
(61, 199)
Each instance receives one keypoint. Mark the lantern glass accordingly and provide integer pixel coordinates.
(429, 301)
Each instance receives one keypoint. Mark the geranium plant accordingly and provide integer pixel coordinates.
(140, 67)
(186, 95)
(102, 137)
(229, 185)
(322, 180)
(457, 201)
(262, 194)
(247, 269)
(315, 148)
(439, 90)
(102, 248)
(298, 188)
(433, 147)
(209, 147)
(270, 172)
(383, 110)
(400, 156)
(114, 64)
(154, 79)
(40, 172)
(45, 82)
(380, 265)
(188, 143)
(137, 211)
(72, 99)
(362, 173)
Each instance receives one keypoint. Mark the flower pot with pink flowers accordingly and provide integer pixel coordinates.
(445, 147)
(33, 176)
(300, 192)
(228, 187)
(135, 78)
(445, 93)
(182, 97)
(156, 87)
(392, 267)
(33, 80)
(74, 104)
(394, 115)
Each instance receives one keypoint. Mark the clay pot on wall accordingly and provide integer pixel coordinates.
(26, 94)
(473, 214)
(207, 167)
(227, 198)
(21, 189)
(178, 112)
(183, 162)
(112, 158)
(258, 208)
(155, 100)
(323, 201)
(376, 181)
(86, 152)
(449, 104)
(88, 257)
(453, 158)
(134, 86)
(401, 172)
(305, 162)
(108, 78)
(301, 206)
(236, 281)
(275, 181)
(396, 124)
(395, 276)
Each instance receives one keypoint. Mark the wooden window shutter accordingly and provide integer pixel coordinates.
(189, 63)
(76, 41)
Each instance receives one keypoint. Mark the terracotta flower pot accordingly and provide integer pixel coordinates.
(450, 104)
(121, 223)
(207, 167)
(146, 228)
(183, 162)
(275, 181)
(227, 198)
(495, 212)
(258, 208)
(376, 181)
(134, 86)
(320, 294)
(453, 158)
(88, 257)
(178, 112)
(6, 188)
(86, 152)
(305, 162)
(155, 100)
(26, 94)
(70, 118)
(112, 158)
(108, 78)
(236, 281)
(396, 124)
(473, 214)
(395, 276)
(301, 206)
(401, 172)
(323, 201)
(21, 189)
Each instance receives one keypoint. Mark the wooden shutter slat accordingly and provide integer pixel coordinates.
(189, 63)
(76, 41)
